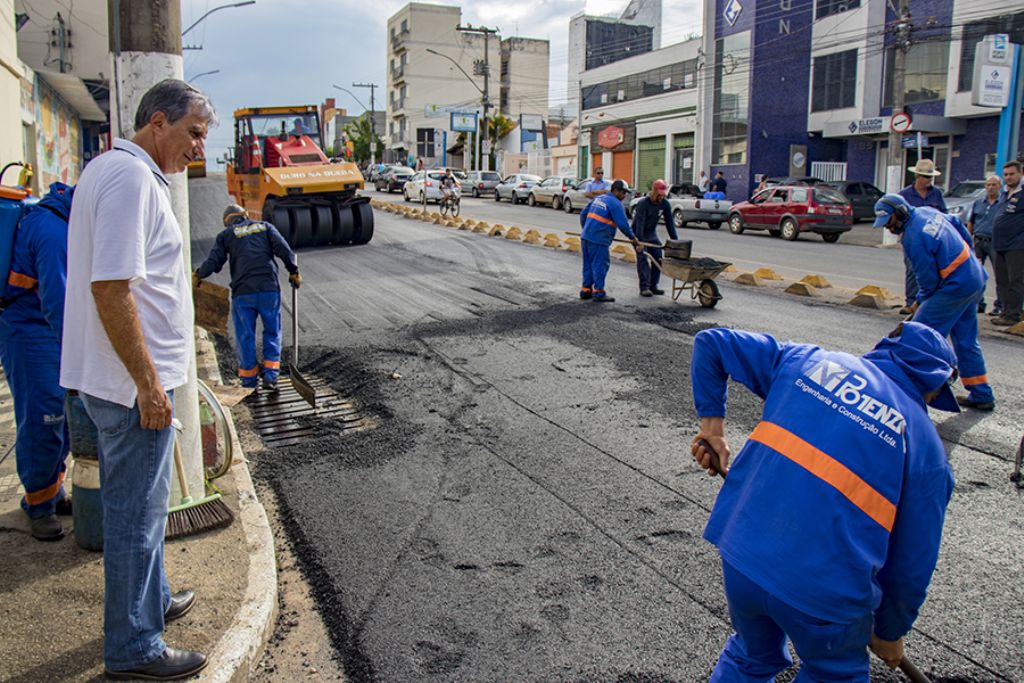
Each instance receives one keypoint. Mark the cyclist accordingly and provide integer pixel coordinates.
(449, 183)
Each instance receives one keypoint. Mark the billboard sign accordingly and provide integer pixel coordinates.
(531, 122)
(463, 122)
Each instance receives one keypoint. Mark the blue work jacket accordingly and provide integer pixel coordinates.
(251, 246)
(836, 502)
(939, 247)
(601, 217)
(39, 266)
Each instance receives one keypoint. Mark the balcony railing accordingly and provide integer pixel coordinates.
(398, 39)
(398, 74)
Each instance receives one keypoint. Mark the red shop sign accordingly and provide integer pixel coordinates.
(610, 137)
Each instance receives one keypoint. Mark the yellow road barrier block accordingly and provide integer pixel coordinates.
(573, 244)
(816, 281)
(552, 240)
(802, 289)
(470, 223)
(749, 279)
(496, 230)
(514, 233)
(868, 301)
(767, 274)
(629, 256)
(619, 249)
(872, 290)
(531, 237)
(730, 269)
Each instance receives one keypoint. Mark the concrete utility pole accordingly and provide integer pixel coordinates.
(373, 125)
(894, 172)
(483, 69)
(145, 44)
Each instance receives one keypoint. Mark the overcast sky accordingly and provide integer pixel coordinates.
(280, 52)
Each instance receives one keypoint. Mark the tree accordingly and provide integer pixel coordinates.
(359, 134)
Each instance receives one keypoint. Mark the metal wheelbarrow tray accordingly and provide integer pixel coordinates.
(696, 276)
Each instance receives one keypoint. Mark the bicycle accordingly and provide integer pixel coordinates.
(452, 203)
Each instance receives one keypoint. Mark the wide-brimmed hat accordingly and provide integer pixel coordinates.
(925, 167)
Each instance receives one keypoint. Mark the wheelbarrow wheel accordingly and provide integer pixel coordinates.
(707, 293)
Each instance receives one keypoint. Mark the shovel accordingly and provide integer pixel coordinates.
(299, 383)
(906, 666)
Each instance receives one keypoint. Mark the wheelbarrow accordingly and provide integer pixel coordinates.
(694, 276)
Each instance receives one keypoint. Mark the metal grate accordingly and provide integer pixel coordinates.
(283, 418)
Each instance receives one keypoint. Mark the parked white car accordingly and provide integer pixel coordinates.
(426, 183)
(515, 188)
(575, 198)
(689, 206)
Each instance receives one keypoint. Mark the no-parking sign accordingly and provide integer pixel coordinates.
(900, 123)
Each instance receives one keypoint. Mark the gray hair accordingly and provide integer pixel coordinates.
(176, 99)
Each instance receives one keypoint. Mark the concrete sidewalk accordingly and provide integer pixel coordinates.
(51, 594)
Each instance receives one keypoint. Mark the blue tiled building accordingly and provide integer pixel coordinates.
(788, 83)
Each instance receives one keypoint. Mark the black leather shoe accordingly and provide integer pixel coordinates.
(604, 299)
(170, 666)
(181, 603)
(47, 528)
(585, 295)
(968, 402)
(1003, 321)
(646, 292)
(270, 386)
(64, 508)
(656, 291)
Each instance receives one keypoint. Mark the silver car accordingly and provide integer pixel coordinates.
(481, 182)
(425, 184)
(960, 199)
(551, 190)
(575, 198)
(516, 187)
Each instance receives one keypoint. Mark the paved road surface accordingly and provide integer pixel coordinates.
(525, 509)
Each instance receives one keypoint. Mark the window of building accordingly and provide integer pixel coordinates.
(927, 66)
(834, 81)
(405, 25)
(680, 76)
(1013, 24)
(424, 142)
(731, 99)
(824, 8)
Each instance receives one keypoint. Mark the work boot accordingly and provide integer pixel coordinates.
(646, 292)
(657, 292)
(181, 603)
(604, 299)
(995, 312)
(906, 310)
(169, 666)
(47, 528)
(1003, 321)
(585, 295)
(269, 385)
(64, 508)
(968, 402)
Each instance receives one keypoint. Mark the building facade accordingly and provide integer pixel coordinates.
(793, 84)
(639, 117)
(525, 63)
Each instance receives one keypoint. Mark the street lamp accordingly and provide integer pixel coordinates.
(205, 73)
(353, 96)
(373, 127)
(234, 4)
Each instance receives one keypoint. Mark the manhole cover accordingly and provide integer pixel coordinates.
(283, 418)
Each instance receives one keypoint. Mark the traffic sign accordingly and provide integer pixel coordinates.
(900, 123)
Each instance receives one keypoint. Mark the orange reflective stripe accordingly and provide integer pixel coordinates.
(586, 289)
(829, 470)
(272, 364)
(248, 373)
(43, 495)
(948, 270)
(23, 281)
(974, 381)
(602, 219)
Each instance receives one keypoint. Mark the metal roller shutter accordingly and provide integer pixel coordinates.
(651, 164)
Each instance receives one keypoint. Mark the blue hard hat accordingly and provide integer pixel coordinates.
(888, 205)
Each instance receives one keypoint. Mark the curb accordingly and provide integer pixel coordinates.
(234, 658)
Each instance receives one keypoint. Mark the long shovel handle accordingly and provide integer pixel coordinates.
(295, 322)
(906, 666)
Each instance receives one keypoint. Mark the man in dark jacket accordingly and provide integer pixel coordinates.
(1008, 243)
(252, 246)
(646, 215)
(30, 334)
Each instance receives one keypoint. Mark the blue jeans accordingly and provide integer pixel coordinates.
(649, 275)
(756, 652)
(245, 308)
(135, 476)
(596, 261)
(31, 363)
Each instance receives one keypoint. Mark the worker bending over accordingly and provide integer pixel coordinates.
(599, 220)
(951, 284)
(251, 247)
(830, 520)
(646, 215)
(31, 326)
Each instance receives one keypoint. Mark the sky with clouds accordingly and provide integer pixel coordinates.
(285, 52)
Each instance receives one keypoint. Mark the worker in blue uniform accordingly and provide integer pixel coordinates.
(251, 247)
(31, 326)
(599, 220)
(830, 520)
(646, 215)
(951, 284)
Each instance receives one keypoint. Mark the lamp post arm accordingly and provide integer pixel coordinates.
(457, 66)
(234, 4)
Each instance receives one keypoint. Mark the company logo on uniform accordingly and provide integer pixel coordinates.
(848, 387)
(828, 374)
(250, 229)
(732, 11)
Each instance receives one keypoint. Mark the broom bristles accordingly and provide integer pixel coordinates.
(194, 518)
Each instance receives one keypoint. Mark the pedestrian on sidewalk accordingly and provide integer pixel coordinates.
(830, 520)
(30, 334)
(951, 283)
(1008, 243)
(649, 210)
(598, 186)
(979, 224)
(128, 343)
(600, 219)
(250, 248)
(922, 192)
(703, 183)
(719, 184)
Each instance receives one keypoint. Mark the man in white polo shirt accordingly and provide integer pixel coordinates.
(127, 344)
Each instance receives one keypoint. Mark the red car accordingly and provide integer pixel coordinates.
(788, 210)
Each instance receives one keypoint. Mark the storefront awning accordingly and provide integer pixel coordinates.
(74, 92)
(879, 125)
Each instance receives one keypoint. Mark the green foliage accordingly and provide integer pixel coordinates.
(359, 134)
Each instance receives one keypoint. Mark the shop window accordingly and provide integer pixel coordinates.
(835, 81)
(927, 66)
(825, 8)
(1013, 24)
